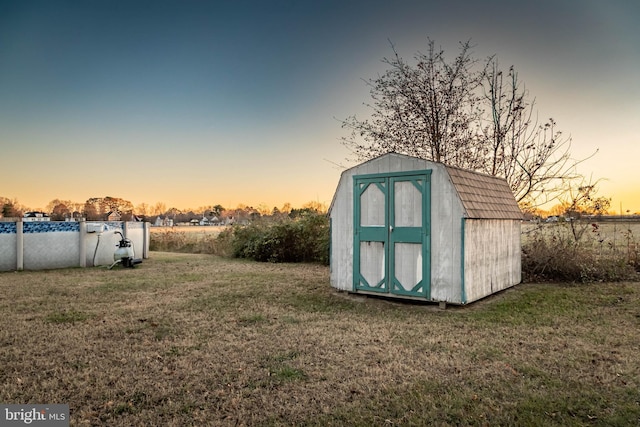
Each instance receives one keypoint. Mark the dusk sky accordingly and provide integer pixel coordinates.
(195, 103)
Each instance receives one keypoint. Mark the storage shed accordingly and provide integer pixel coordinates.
(405, 227)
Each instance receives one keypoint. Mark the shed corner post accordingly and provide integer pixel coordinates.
(145, 239)
(463, 292)
(355, 246)
(82, 231)
(19, 245)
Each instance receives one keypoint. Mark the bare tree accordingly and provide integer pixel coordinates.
(91, 209)
(95, 208)
(143, 209)
(466, 114)
(159, 209)
(59, 209)
(581, 199)
(426, 110)
(533, 157)
(60, 212)
(11, 208)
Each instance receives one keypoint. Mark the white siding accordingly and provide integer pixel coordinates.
(342, 234)
(446, 251)
(492, 260)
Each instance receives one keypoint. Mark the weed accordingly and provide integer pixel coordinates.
(552, 253)
(279, 369)
(252, 319)
(287, 373)
(123, 408)
(161, 331)
(290, 320)
(66, 316)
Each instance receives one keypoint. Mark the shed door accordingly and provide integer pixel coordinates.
(391, 234)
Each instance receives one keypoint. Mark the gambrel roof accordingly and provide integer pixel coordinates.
(484, 196)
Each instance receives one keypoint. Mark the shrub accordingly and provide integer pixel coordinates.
(301, 239)
(553, 254)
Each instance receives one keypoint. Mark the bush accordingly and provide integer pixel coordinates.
(303, 239)
(555, 255)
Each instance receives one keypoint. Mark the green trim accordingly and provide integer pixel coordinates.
(426, 172)
(356, 238)
(463, 292)
(421, 180)
(368, 233)
(426, 230)
(330, 244)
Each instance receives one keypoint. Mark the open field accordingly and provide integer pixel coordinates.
(202, 229)
(581, 251)
(188, 239)
(190, 229)
(609, 234)
(198, 340)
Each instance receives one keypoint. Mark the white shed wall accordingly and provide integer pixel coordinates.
(446, 239)
(492, 260)
(341, 257)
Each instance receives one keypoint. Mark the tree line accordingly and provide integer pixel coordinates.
(98, 208)
(94, 208)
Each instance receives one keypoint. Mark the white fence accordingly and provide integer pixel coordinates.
(47, 245)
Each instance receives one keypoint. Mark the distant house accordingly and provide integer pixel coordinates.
(73, 216)
(35, 217)
(113, 216)
(213, 220)
(163, 222)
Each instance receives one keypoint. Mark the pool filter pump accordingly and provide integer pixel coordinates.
(124, 254)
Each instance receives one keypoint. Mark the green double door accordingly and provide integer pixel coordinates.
(391, 233)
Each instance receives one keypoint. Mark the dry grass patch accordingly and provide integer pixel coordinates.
(199, 340)
(189, 239)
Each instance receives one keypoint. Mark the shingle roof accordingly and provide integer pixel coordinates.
(484, 196)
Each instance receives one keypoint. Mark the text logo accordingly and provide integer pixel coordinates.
(34, 415)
